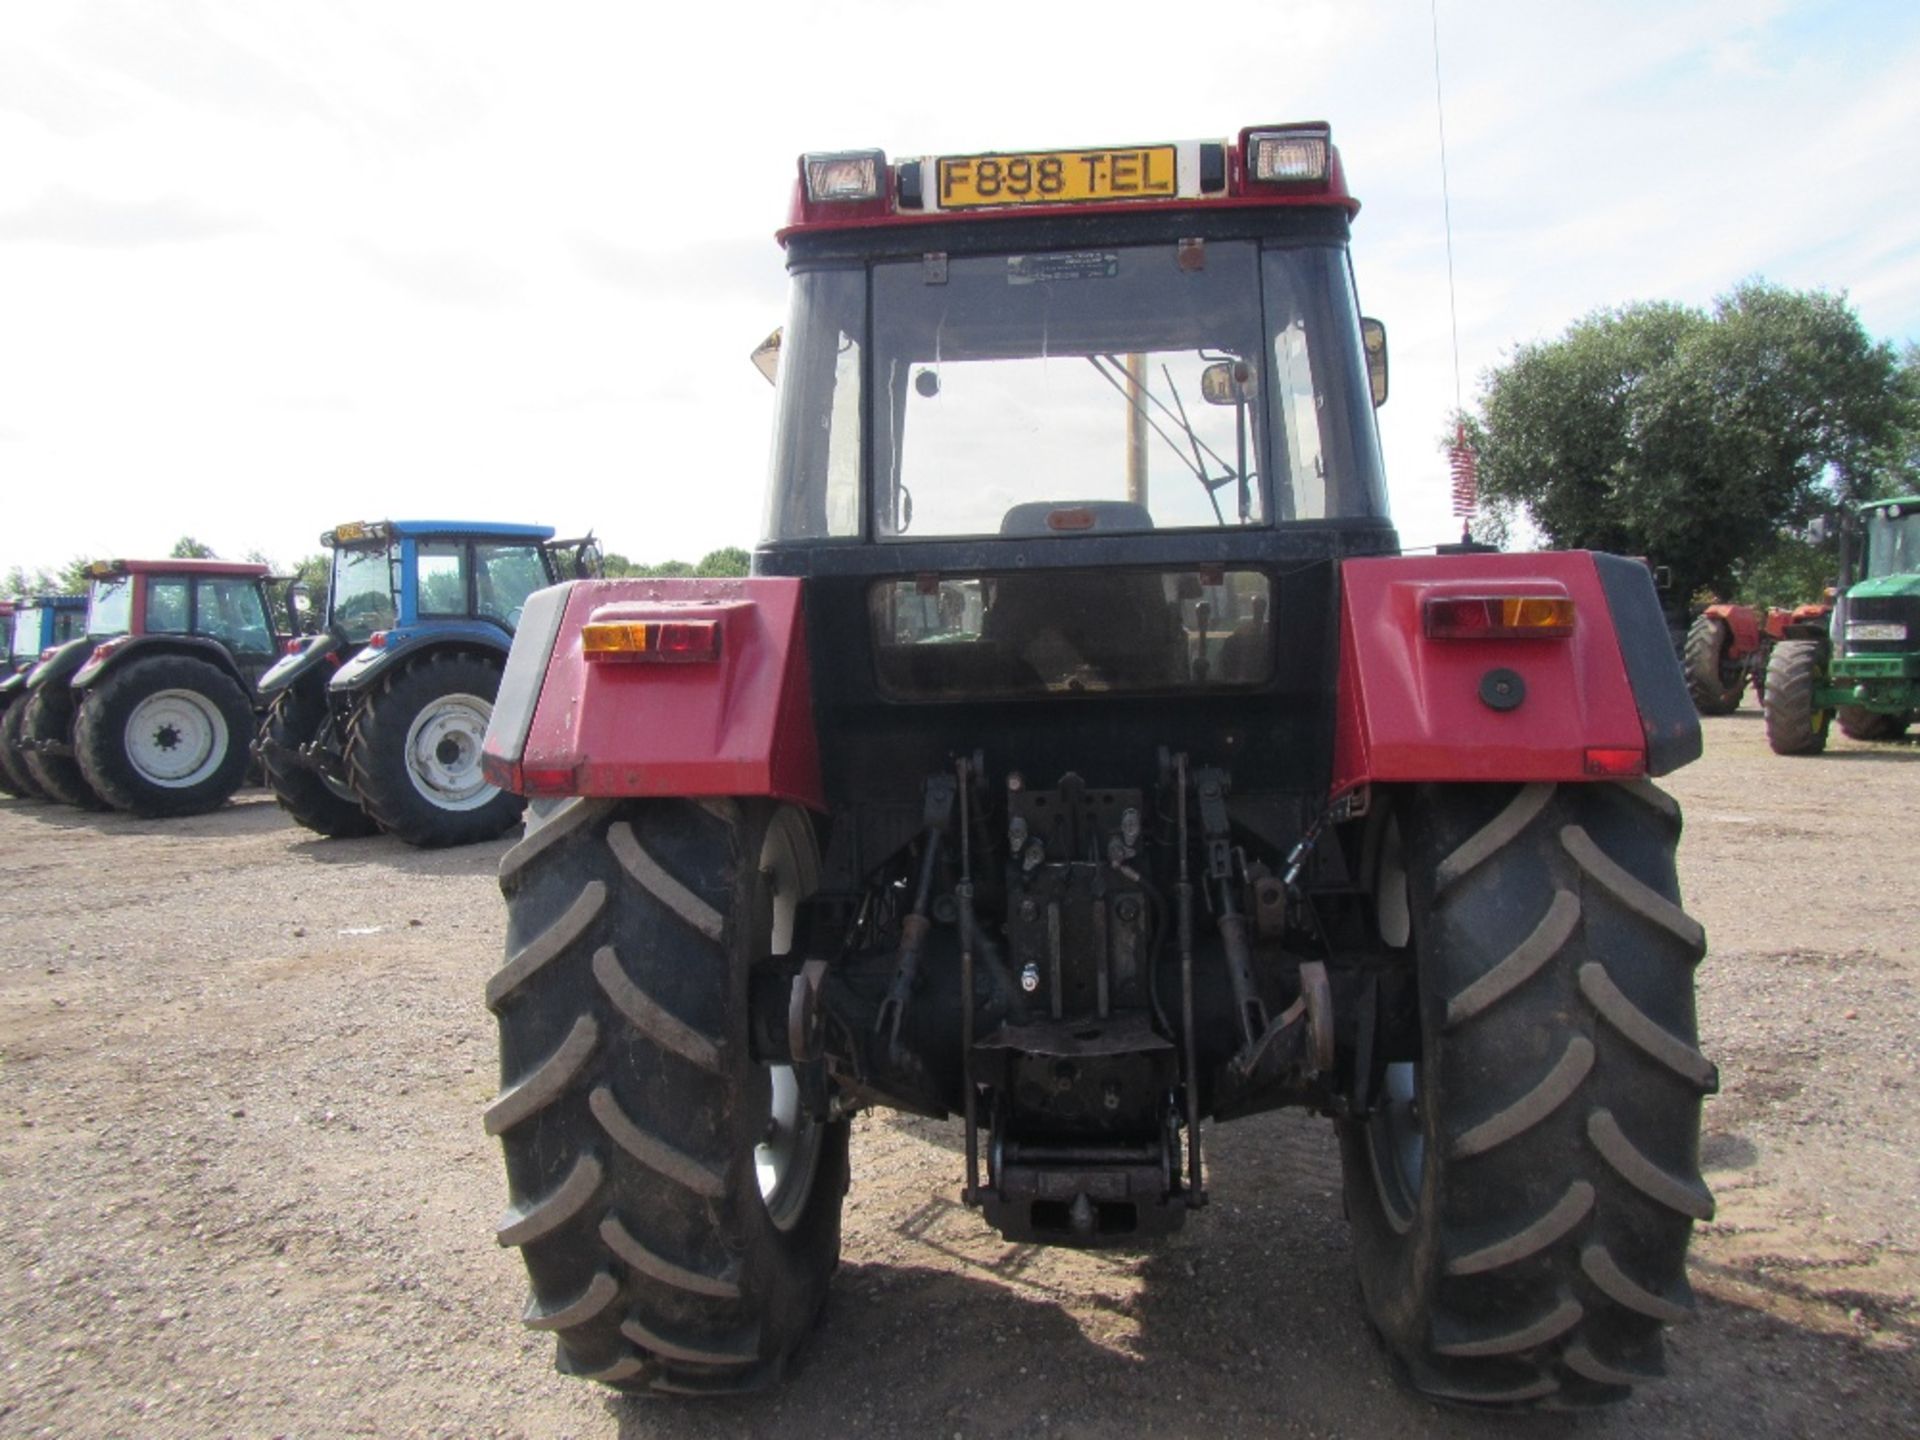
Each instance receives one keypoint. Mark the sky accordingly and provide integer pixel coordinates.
(266, 267)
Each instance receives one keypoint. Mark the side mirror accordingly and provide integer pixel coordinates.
(1373, 339)
(1820, 530)
(1227, 382)
(300, 617)
(766, 356)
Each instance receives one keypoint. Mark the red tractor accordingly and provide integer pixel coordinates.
(1083, 761)
(1728, 647)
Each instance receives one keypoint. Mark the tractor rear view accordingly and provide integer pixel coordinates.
(1081, 760)
(1861, 665)
(376, 722)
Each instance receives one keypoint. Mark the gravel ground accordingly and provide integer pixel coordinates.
(244, 1188)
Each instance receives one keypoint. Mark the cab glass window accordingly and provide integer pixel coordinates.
(360, 599)
(443, 579)
(68, 624)
(816, 440)
(504, 576)
(110, 606)
(26, 634)
(1063, 632)
(169, 610)
(229, 609)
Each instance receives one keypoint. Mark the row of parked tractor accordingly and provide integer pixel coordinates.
(1854, 663)
(163, 687)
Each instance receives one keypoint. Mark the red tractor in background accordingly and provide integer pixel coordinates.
(1728, 647)
(1082, 761)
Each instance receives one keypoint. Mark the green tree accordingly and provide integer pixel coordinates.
(22, 581)
(1695, 437)
(188, 548)
(730, 561)
(73, 578)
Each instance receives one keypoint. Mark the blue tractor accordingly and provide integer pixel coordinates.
(38, 624)
(375, 722)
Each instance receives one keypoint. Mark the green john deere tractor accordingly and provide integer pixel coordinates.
(1863, 669)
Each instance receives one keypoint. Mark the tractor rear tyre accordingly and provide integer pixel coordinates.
(677, 1207)
(1523, 1191)
(165, 735)
(1713, 682)
(49, 719)
(1858, 723)
(15, 779)
(413, 753)
(297, 717)
(1794, 725)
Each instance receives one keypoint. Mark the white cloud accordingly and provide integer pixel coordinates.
(473, 258)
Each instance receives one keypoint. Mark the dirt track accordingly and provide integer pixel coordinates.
(244, 1188)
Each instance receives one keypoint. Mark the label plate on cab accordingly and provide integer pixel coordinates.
(1057, 177)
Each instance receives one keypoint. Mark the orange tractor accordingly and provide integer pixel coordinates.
(1727, 647)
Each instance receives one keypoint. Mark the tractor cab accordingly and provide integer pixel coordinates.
(41, 622)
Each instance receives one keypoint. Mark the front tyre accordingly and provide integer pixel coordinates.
(413, 753)
(300, 716)
(164, 735)
(1795, 725)
(677, 1208)
(1524, 1188)
(1859, 723)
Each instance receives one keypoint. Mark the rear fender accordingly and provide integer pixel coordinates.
(401, 646)
(1743, 628)
(315, 653)
(741, 724)
(58, 667)
(1605, 701)
(110, 655)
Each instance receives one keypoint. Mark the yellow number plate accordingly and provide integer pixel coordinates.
(1056, 177)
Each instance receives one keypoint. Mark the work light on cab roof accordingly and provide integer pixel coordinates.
(1262, 165)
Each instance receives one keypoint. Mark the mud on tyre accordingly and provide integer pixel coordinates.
(300, 714)
(678, 1212)
(413, 752)
(164, 735)
(1523, 1193)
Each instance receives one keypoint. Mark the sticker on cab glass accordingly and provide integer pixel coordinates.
(1066, 265)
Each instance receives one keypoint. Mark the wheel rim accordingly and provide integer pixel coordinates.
(176, 738)
(788, 1153)
(1396, 1133)
(443, 752)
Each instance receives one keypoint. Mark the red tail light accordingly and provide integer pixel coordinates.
(661, 641)
(1498, 617)
(1615, 763)
(377, 640)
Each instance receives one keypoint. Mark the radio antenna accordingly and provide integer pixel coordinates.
(1446, 203)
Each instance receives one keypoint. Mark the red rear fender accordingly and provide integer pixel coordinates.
(738, 723)
(1413, 707)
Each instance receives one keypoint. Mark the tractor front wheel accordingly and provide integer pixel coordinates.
(49, 720)
(1524, 1186)
(1713, 681)
(1859, 723)
(1795, 726)
(165, 735)
(413, 753)
(675, 1202)
(324, 805)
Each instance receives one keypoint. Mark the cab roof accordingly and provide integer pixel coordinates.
(1265, 166)
(103, 569)
(49, 602)
(364, 531)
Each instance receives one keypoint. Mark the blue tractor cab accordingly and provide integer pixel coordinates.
(376, 721)
(38, 624)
